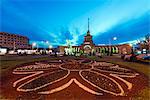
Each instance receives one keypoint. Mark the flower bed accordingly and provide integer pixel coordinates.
(37, 66)
(75, 66)
(44, 79)
(101, 81)
(108, 78)
(114, 69)
(55, 61)
(105, 64)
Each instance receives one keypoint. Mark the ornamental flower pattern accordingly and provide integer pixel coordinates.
(105, 77)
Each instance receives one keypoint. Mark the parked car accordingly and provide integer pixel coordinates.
(12, 52)
(140, 56)
(3, 51)
(146, 57)
(130, 57)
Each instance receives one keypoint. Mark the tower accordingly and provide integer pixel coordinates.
(88, 44)
(88, 37)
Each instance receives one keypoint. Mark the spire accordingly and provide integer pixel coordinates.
(88, 24)
(88, 32)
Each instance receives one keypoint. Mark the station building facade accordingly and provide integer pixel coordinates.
(88, 47)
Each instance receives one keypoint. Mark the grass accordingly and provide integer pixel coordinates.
(136, 66)
(10, 64)
(143, 68)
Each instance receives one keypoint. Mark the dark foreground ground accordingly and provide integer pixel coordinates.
(8, 63)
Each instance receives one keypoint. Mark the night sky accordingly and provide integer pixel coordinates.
(59, 20)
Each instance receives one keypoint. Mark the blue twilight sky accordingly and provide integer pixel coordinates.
(58, 20)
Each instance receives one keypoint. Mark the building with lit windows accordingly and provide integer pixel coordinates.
(14, 41)
(88, 47)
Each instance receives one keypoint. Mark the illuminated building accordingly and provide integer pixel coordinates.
(88, 47)
(14, 41)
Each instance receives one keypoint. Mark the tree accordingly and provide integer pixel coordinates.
(145, 44)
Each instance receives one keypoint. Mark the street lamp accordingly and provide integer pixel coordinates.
(33, 45)
(114, 39)
(37, 47)
(132, 50)
(14, 45)
(130, 44)
(45, 43)
(50, 46)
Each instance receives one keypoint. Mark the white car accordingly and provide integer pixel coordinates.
(12, 52)
(3, 51)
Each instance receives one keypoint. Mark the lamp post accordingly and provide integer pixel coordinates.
(132, 49)
(14, 46)
(37, 47)
(33, 45)
(48, 45)
(45, 44)
(114, 38)
(50, 48)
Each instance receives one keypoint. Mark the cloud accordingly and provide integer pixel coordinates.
(57, 21)
(126, 31)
